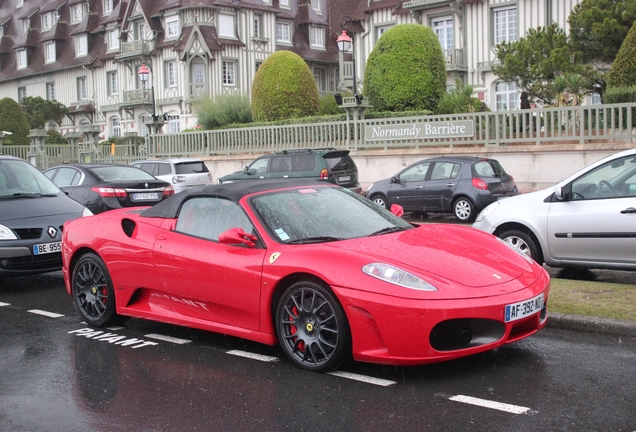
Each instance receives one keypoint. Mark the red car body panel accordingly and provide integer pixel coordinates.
(163, 275)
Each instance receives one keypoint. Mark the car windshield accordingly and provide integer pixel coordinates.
(116, 173)
(320, 214)
(21, 179)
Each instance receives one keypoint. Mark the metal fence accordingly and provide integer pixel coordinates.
(576, 125)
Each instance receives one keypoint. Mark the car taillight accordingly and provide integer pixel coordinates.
(479, 183)
(107, 192)
(169, 190)
(324, 175)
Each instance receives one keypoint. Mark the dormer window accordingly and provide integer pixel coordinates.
(226, 26)
(317, 37)
(108, 6)
(21, 58)
(77, 13)
(47, 21)
(81, 45)
(49, 52)
(26, 25)
(172, 27)
(284, 3)
(113, 39)
(19, 3)
(315, 5)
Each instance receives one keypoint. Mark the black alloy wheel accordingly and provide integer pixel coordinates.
(312, 327)
(93, 291)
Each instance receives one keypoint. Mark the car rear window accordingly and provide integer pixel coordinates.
(488, 168)
(114, 173)
(340, 163)
(190, 167)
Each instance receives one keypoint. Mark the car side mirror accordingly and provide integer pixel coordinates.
(236, 236)
(397, 210)
(395, 180)
(246, 170)
(558, 194)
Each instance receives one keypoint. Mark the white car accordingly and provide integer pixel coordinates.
(587, 220)
(182, 173)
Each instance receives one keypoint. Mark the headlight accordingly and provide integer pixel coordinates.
(6, 233)
(369, 188)
(485, 212)
(397, 276)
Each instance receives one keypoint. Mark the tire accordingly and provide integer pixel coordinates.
(93, 292)
(464, 210)
(522, 242)
(312, 328)
(380, 200)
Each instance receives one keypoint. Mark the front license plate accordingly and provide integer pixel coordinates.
(344, 178)
(45, 248)
(524, 308)
(145, 196)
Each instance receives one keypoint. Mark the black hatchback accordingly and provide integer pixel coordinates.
(104, 186)
(462, 185)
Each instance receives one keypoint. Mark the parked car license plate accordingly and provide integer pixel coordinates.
(524, 308)
(344, 178)
(45, 248)
(141, 196)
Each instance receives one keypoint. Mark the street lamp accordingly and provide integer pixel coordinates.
(345, 43)
(144, 75)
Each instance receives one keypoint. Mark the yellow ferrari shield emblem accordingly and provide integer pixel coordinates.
(274, 257)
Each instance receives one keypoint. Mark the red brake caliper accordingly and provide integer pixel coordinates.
(294, 329)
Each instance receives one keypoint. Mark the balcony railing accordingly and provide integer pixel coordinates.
(137, 97)
(198, 90)
(134, 48)
(454, 58)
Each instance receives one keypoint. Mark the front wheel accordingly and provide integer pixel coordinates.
(93, 292)
(380, 200)
(521, 242)
(464, 210)
(312, 327)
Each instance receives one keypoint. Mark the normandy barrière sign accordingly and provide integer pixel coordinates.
(428, 130)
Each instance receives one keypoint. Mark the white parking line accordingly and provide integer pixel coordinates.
(513, 409)
(253, 356)
(363, 378)
(168, 338)
(45, 313)
(5, 304)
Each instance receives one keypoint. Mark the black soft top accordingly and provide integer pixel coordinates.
(169, 208)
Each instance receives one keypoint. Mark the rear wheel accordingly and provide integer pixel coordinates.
(521, 242)
(380, 200)
(312, 327)
(464, 210)
(93, 292)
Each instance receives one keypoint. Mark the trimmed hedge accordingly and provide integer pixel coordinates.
(13, 119)
(284, 87)
(623, 70)
(406, 70)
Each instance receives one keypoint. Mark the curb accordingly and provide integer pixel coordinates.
(607, 326)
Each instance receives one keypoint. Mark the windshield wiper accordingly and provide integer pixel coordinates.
(19, 195)
(318, 239)
(387, 230)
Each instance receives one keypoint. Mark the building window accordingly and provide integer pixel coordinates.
(47, 21)
(319, 76)
(140, 30)
(77, 13)
(50, 91)
(283, 32)
(108, 6)
(115, 127)
(22, 58)
(284, 3)
(1, 31)
(171, 74)
(21, 94)
(506, 96)
(379, 30)
(173, 124)
(443, 28)
(113, 40)
(258, 64)
(226, 26)
(19, 3)
(81, 45)
(229, 73)
(82, 91)
(172, 27)
(505, 20)
(315, 5)
(317, 37)
(26, 25)
(258, 23)
(112, 82)
(49, 52)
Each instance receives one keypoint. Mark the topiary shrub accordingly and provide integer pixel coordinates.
(14, 120)
(223, 110)
(283, 87)
(406, 70)
(623, 70)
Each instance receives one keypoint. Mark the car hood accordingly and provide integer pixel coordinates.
(452, 253)
(45, 206)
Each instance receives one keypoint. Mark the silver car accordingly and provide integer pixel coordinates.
(182, 173)
(587, 220)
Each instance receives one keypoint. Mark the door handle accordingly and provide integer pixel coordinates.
(629, 210)
(450, 184)
(418, 187)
